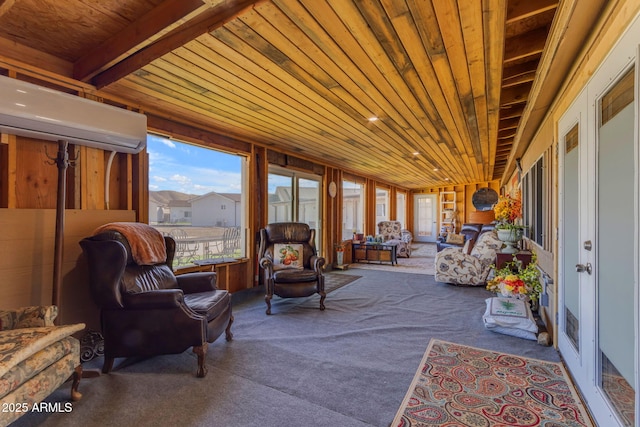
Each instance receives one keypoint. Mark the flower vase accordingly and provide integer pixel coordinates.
(510, 237)
(507, 294)
(339, 258)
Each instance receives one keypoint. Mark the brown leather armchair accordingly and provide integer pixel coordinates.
(145, 309)
(290, 263)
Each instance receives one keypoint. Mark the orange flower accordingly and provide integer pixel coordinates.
(508, 209)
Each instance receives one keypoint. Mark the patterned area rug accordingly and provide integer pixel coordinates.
(333, 281)
(421, 261)
(457, 385)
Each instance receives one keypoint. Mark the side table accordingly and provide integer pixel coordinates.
(502, 259)
(380, 252)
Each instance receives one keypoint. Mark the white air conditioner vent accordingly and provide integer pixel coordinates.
(38, 112)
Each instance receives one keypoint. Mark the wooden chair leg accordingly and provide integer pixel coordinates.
(227, 331)
(323, 295)
(77, 375)
(267, 299)
(107, 365)
(201, 351)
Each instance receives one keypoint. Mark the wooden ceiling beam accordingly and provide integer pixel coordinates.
(207, 21)
(151, 26)
(525, 45)
(520, 73)
(515, 94)
(521, 9)
(504, 144)
(494, 46)
(510, 123)
(520, 79)
(506, 134)
(511, 111)
(517, 70)
(5, 5)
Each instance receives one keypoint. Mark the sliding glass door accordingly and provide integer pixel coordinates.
(295, 196)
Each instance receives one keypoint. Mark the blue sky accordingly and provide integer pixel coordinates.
(189, 169)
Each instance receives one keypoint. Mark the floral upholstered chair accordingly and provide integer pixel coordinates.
(36, 358)
(392, 232)
(454, 265)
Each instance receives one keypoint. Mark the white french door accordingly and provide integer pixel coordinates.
(574, 321)
(425, 217)
(598, 238)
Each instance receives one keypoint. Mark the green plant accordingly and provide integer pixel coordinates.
(514, 279)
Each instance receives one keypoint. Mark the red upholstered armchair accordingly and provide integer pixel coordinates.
(290, 263)
(145, 309)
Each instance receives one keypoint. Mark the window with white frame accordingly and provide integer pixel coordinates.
(401, 208)
(352, 208)
(382, 204)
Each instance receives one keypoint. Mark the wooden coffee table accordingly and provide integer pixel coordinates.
(377, 252)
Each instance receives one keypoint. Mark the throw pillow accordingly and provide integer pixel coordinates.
(287, 255)
(457, 239)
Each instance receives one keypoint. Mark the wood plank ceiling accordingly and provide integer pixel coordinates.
(416, 93)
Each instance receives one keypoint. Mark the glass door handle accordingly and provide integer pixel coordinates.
(581, 268)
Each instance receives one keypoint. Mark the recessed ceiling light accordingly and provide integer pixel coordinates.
(436, 169)
(415, 153)
(446, 179)
(373, 118)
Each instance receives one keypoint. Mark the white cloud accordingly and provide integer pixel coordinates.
(180, 179)
(168, 143)
(164, 165)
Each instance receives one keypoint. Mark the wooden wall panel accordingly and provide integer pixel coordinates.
(36, 177)
(26, 259)
(7, 171)
(139, 193)
(92, 171)
(233, 276)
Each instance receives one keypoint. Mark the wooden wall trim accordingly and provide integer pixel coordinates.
(196, 135)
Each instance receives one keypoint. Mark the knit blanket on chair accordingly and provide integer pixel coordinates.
(147, 243)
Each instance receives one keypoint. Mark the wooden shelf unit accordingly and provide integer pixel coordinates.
(448, 209)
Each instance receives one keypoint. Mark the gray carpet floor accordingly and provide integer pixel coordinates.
(349, 365)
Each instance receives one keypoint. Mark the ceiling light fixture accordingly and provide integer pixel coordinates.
(373, 118)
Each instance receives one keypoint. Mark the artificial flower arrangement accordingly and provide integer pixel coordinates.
(508, 211)
(516, 281)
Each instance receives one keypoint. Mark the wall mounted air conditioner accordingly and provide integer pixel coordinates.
(38, 112)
